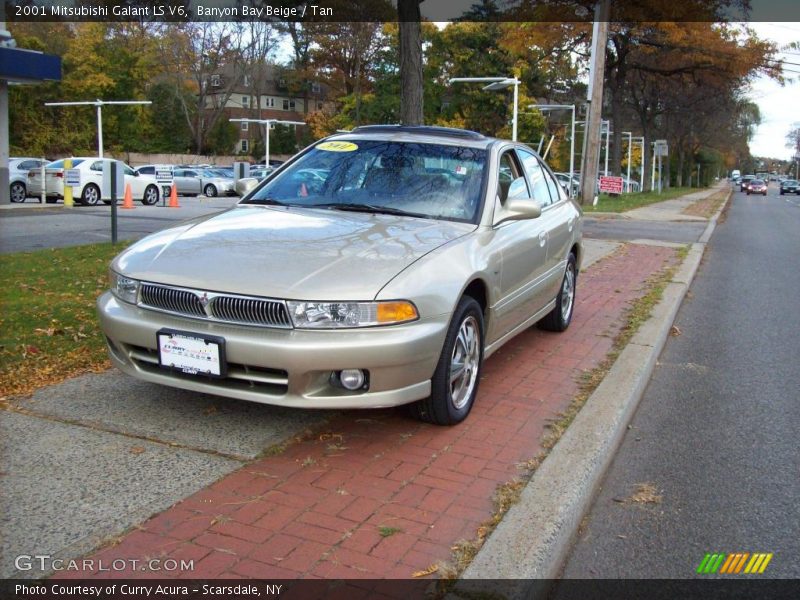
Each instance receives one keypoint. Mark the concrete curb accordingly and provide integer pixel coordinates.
(532, 541)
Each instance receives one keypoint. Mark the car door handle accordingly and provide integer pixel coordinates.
(570, 223)
(542, 238)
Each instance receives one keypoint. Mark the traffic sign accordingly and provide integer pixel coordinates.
(72, 177)
(164, 174)
(611, 185)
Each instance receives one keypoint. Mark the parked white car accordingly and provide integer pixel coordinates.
(18, 174)
(143, 187)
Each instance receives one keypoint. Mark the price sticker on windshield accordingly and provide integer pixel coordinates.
(337, 146)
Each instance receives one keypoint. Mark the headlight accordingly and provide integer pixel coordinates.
(332, 315)
(124, 288)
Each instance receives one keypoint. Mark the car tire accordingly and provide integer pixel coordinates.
(18, 192)
(452, 396)
(560, 317)
(90, 195)
(210, 191)
(150, 196)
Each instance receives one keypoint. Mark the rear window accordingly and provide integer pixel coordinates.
(59, 164)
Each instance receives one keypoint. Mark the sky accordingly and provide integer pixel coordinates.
(779, 105)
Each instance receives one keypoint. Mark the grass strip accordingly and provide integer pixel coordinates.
(48, 324)
(508, 494)
(624, 202)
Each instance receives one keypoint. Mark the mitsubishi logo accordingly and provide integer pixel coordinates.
(204, 302)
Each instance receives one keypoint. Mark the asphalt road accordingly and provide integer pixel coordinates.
(716, 432)
(32, 226)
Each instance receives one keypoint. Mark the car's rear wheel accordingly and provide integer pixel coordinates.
(90, 195)
(18, 192)
(560, 317)
(150, 195)
(210, 191)
(454, 384)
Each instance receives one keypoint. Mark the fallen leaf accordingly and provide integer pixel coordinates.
(428, 571)
(675, 331)
(137, 450)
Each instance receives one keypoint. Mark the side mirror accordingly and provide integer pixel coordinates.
(243, 186)
(136, 173)
(518, 209)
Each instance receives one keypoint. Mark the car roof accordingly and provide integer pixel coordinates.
(417, 133)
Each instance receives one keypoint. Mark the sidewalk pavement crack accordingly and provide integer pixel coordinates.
(135, 436)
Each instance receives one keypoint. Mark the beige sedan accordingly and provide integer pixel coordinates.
(377, 268)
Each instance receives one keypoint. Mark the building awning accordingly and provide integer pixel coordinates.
(28, 66)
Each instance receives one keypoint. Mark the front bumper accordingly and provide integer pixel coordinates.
(285, 367)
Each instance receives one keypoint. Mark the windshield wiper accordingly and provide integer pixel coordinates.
(266, 201)
(368, 208)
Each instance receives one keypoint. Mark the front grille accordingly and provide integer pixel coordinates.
(250, 310)
(213, 306)
(174, 300)
(263, 380)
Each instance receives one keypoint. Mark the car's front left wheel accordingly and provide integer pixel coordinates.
(18, 192)
(454, 384)
(150, 195)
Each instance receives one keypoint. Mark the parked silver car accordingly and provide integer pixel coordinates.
(18, 175)
(421, 253)
(195, 181)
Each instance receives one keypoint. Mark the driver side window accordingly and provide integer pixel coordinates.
(510, 181)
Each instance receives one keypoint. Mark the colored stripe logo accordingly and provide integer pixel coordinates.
(734, 563)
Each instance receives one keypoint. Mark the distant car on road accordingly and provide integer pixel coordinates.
(790, 186)
(143, 187)
(757, 186)
(745, 182)
(18, 176)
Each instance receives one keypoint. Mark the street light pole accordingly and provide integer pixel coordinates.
(267, 123)
(99, 104)
(497, 83)
(571, 107)
(630, 141)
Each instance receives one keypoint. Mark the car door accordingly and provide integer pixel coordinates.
(522, 248)
(558, 220)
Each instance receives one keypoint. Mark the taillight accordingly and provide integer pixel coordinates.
(59, 173)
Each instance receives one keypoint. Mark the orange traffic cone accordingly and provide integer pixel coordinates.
(173, 197)
(128, 201)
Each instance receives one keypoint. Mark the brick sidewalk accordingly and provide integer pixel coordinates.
(320, 508)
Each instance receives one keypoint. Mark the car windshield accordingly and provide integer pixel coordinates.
(59, 164)
(757, 182)
(417, 179)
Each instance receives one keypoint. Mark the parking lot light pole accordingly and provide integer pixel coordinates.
(571, 107)
(267, 124)
(640, 139)
(99, 104)
(497, 83)
(630, 141)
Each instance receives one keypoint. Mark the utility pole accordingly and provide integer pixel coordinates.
(595, 99)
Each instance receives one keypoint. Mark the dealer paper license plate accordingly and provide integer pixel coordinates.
(191, 354)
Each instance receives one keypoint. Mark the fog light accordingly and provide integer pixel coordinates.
(352, 379)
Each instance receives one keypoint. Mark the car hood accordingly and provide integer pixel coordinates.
(311, 254)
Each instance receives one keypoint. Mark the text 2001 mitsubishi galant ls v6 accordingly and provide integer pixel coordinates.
(377, 268)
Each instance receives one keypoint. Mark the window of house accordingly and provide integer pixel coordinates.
(245, 125)
(316, 87)
(246, 81)
(288, 104)
(269, 102)
(243, 145)
(215, 81)
(246, 101)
